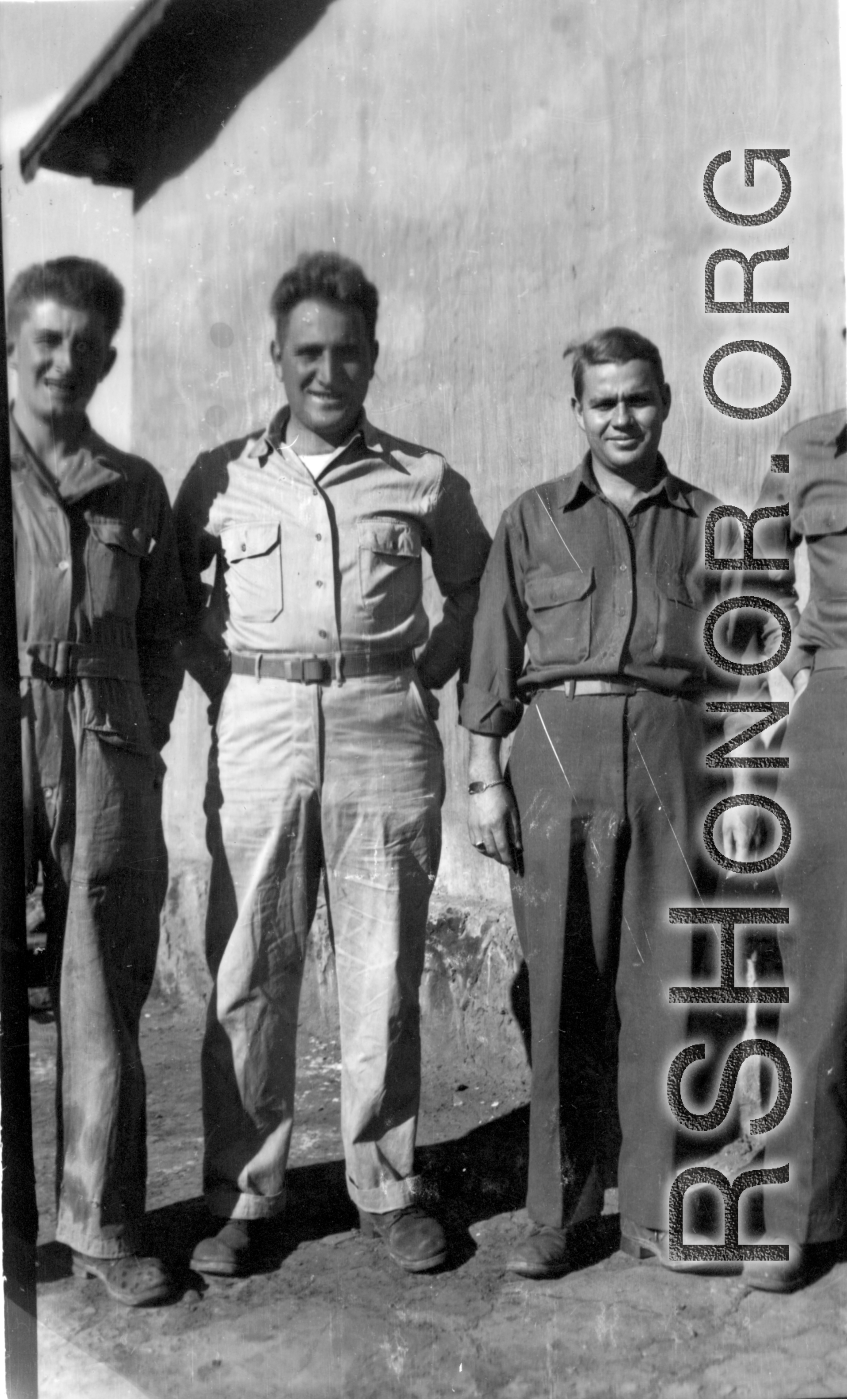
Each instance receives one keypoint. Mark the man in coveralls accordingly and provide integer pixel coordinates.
(326, 756)
(599, 575)
(99, 609)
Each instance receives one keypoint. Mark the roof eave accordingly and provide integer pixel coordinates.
(70, 156)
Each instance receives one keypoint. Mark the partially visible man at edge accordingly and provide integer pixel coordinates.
(100, 610)
(600, 575)
(806, 503)
(325, 754)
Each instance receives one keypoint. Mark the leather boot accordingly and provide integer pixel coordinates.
(413, 1238)
(542, 1254)
(806, 1263)
(230, 1252)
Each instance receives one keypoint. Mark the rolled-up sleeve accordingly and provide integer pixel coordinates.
(160, 620)
(205, 654)
(759, 633)
(490, 705)
(458, 544)
(756, 633)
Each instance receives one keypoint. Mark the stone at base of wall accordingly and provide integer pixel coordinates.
(473, 995)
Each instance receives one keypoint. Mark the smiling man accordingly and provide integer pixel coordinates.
(326, 759)
(588, 642)
(99, 610)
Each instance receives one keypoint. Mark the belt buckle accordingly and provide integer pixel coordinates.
(315, 670)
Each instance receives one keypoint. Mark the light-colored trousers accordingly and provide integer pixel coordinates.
(349, 779)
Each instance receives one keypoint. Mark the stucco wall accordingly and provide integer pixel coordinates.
(512, 176)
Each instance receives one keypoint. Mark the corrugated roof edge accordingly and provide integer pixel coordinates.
(94, 81)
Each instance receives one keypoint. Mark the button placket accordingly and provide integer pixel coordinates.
(324, 567)
(621, 586)
(65, 570)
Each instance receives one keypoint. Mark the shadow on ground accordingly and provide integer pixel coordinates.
(468, 1180)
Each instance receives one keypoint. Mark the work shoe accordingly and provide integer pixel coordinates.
(230, 1252)
(542, 1254)
(639, 1241)
(413, 1238)
(806, 1263)
(132, 1281)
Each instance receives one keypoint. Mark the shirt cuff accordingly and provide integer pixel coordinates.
(484, 713)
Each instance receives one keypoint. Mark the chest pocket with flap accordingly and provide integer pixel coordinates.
(559, 610)
(253, 571)
(113, 562)
(389, 569)
(679, 630)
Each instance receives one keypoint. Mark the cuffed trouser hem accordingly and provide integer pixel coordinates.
(381, 1199)
(231, 1204)
(813, 1237)
(96, 1246)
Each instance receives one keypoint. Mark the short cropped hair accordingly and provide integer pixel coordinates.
(327, 277)
(74, 281)
(616, 345)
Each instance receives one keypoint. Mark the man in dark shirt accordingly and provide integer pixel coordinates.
(598, 579)
(99, 611)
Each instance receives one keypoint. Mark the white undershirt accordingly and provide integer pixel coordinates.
(316, 462)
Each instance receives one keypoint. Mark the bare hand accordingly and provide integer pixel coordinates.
(494, 825)
(743, 830)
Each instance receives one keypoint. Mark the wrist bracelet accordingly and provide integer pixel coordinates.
(474, 788)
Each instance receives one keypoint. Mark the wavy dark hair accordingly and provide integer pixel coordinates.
(73, 281)
(327, 277)
(616, 345)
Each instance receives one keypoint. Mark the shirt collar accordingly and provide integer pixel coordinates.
(582, 482)
(87, 470)
(273, 438)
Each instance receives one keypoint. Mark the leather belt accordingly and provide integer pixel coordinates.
(71, 660)
(321, 670)
(575, 688)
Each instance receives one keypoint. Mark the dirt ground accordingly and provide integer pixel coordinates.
(329, 1317)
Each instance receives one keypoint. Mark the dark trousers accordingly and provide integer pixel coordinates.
(612, 792)
(812, 1140)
